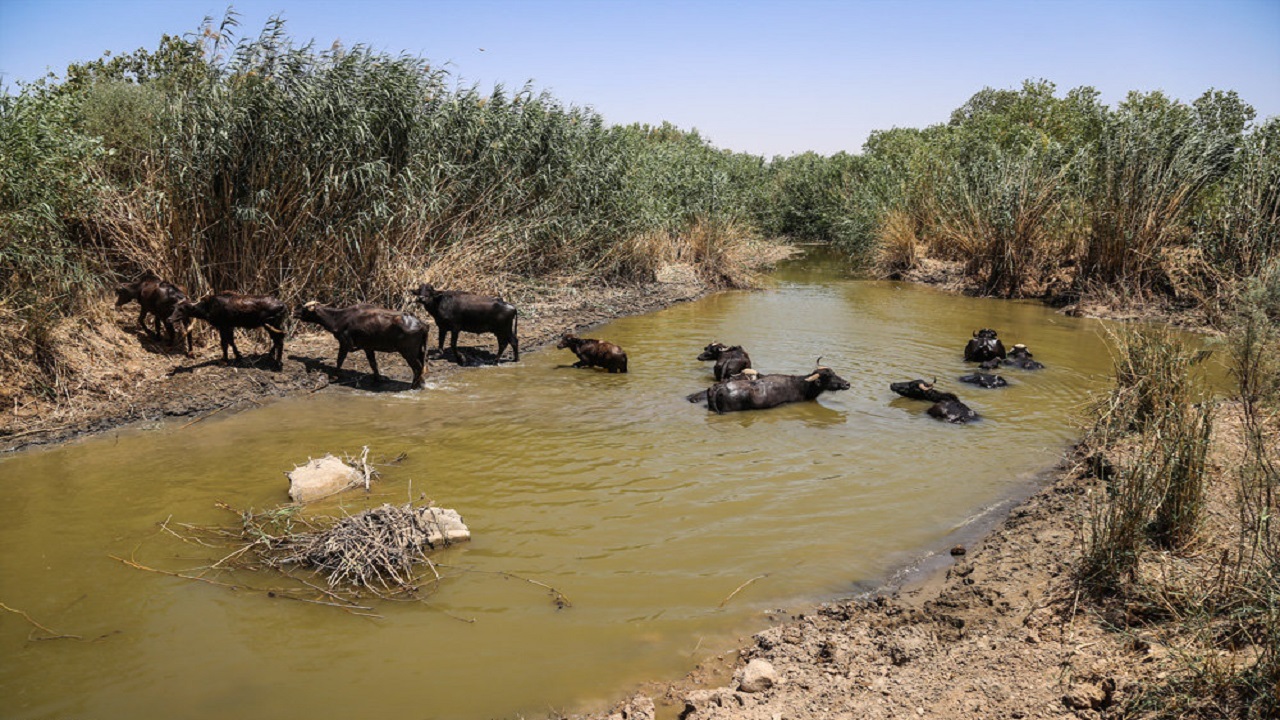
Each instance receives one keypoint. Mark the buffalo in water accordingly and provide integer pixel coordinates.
(730, 360)
(946, 406)
(984, 380)
(369, 328)
(701, 395)
(1019, 357)
(984, 346)
(766, 391)
(595, 353)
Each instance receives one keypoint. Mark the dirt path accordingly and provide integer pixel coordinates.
(124, 377)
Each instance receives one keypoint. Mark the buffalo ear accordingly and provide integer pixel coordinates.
(813, 378)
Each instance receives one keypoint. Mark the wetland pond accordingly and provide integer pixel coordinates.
(646, 511)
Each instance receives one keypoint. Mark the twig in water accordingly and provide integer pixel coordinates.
(205, 416)
(740, 588)
(52, 634)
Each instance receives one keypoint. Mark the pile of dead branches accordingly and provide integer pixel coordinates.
(378, 548)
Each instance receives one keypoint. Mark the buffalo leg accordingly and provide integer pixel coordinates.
(277, 348)
(142, 322)
(453, 343)
(186, 333)
(373, 363)
(515, 347)
(228, 338)
(415, 364)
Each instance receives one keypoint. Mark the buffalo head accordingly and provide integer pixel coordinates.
(826, 379)
(712, 351)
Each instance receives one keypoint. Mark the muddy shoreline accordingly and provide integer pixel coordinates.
(135, 379)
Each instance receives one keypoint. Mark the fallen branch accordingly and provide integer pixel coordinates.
(52, 634)
(740, 588)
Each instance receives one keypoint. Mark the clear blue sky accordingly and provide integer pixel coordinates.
(769, 78)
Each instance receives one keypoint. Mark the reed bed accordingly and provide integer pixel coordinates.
(343, 174)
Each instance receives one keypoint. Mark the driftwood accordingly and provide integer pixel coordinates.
(378, 547)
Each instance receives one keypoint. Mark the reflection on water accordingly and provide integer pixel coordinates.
(645, 510)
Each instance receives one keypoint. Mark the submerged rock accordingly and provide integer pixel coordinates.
(444, 526)
(320, 478)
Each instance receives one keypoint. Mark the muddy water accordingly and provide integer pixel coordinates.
(646, 511)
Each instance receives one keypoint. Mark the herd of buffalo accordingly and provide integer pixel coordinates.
(373, 329)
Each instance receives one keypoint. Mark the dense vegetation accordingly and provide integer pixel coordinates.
(342, 174)
(1059, 197)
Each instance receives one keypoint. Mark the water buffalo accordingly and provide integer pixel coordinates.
(701, 395)
(157, 298)
(730, 361)
(946, 406)
(456, 311)
(983, 346)
(595, 353)
(369, 328)
(984, 380)
(1020, 357)
(227, 311)
(766, 391)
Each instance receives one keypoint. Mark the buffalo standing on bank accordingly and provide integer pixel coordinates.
(455, 311)
(372, 329)
(227, 311)
(157, 298)
(595, 353)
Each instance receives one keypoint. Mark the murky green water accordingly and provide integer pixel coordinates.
(646, 511)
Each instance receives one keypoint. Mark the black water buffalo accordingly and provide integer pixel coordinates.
(946, 406)
(984, 380)
(766, 391)
(1020, 357)
(983, 346)
(730, 361)
(157, 298)
(595, 353)
(372, 329)
(701, 395)
(227, 311)
(456, 311)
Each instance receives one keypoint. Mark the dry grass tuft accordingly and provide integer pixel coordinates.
(899, 249)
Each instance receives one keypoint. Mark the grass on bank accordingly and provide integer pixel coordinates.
(1183, 543)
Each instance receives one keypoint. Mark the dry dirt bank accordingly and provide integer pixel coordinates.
(122, 376)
